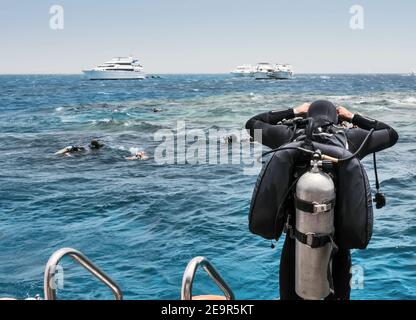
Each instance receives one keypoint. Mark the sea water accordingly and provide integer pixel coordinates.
(140, 221)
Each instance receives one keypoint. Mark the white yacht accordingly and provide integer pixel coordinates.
(412, 73)
(263, 70)
(117, 69)
(283, 71)
(245, 70)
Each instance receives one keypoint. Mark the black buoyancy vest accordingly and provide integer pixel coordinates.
(353, 210)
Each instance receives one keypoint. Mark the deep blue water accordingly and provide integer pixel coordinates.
(142, 222)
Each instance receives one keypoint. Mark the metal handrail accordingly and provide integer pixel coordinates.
(189, 275)
(50, 270)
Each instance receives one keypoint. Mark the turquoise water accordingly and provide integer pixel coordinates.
(141, 222)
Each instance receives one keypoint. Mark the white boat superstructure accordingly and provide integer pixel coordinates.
(412, 73)
(120, 68)
(245, 70)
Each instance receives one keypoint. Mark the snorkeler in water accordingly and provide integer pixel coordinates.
(141, 155)
(94, 145)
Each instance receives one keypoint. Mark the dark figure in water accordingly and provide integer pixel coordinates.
(94, 145)
(232, 138)
(275, 135)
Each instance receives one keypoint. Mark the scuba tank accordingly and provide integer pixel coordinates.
(314, 202)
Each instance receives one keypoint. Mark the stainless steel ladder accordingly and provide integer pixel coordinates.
(51, 271)
(189, 276)
(51, 267)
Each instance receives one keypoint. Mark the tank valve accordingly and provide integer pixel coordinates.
(316, 161)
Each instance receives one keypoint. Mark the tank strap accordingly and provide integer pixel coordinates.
(313, 240)
(313, 207)
(288, 229)
(329, 268)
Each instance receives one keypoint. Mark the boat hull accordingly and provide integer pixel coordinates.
(278, 75)
(114, 75)
(241, 74)
(259, 75)
(282, 75)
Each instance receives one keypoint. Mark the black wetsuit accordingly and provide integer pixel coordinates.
(273, 136)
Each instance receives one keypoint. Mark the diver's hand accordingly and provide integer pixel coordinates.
(344, 114)
(302, 109)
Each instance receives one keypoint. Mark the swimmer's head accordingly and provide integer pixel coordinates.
(94, 144)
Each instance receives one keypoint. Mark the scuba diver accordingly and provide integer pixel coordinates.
(94, 145)
(294, 133)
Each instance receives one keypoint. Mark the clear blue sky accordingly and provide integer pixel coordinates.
(208, 36)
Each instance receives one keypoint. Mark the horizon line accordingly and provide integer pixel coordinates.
(207, 73)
